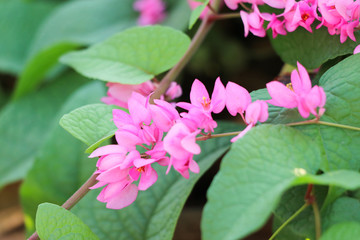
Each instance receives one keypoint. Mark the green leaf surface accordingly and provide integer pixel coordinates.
(90, 123)
(37, 68)
(71, 25)
(155, 212)
(19, 21)
(311, 49)
(253, 175)
(60, 166)
(55, 222)
(132, 56)
(25, 123)
(342, 87)
(341, 231)
(344, 209)
(303, 226)
(195, 14)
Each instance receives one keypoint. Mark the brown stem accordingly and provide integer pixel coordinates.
(74, 199)
(202, 31)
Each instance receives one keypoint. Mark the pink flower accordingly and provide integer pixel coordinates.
(255, 112)
(298, 94)
(202, 106)
(237, 98)
(119, 94)
(253, 22)
(151, 11)
(357, 49)
(180, 143)
(163, 114)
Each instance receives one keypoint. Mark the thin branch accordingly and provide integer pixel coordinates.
(288, 221)
(74, 199)
(202, 31)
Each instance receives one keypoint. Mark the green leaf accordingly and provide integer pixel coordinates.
(131, 57)
(55, 222)
(37, 68)
(303, 226)
(83, 27)
(195, 14)
(24, 125)
(341, 231)
(342, 210)
(155, 212)
(311, 49)
(83, 24)
(342, 87)
(60, 166)
(253, 175)
(90, 123)
(20, 21)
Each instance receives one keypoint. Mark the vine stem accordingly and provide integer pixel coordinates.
(224, 16)
(317, 219)
(198, 38)
(74, 199)
(288, 221)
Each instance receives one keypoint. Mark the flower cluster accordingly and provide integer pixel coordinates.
(119, 94)
(127, 167)
(341, 17)
(151, 11)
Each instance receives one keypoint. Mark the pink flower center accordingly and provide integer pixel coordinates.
(305, 16)
(141, 169)
(289, 86)
(206, 103)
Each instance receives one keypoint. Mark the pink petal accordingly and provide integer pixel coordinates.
(281, 95)
(197, 93)
(218, 97)
(189, 143)
(300, 82)
(110, 161)
(124, 198)
(237, 98)
(97, 185)
(109, 149)
(244, 17)
(114, 189)
(148, 178)
(193, 166)
(113, 175)
(357, 49)
(140, 162)
(242, 133)
(127, 139)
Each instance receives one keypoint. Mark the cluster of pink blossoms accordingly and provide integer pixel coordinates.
(151, 11)
(124, 169)
(341, 17)
(119, 94)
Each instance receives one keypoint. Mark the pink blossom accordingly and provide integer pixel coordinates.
(237, 98)
(151, 11)
(163, 114)
(298, 94)
(253, 22)
(255, 112)
(180, 143)
(119, 94)
(357, 49)
(276, 25)
(202, 106)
